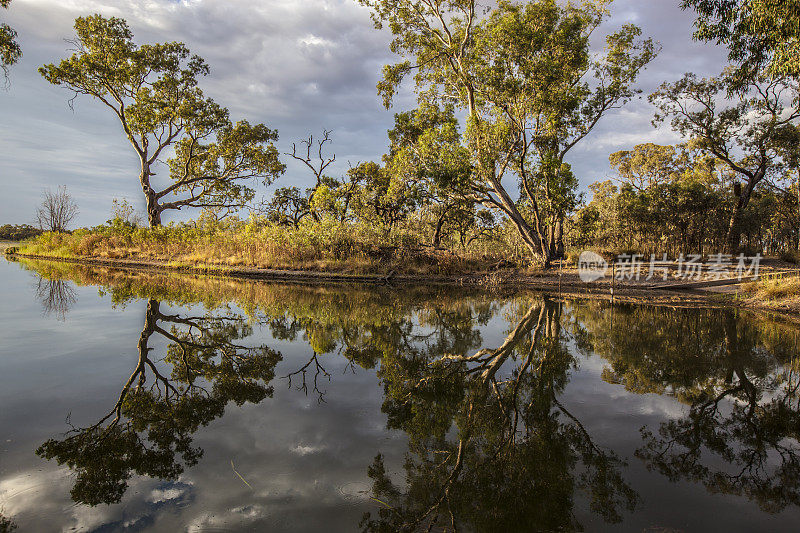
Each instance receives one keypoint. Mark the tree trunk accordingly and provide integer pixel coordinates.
(734, 229)
(534, 241)
(735, 225)
(153, 209)
(559, 244)
(437, 235)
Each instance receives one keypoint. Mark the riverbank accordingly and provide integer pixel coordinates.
(332, 255)
(330, 248)
(564, 280)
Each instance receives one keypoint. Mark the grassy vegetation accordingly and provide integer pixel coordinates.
(777, 292)
(4, 245)
(315, 246)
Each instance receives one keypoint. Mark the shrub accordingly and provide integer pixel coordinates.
(790, 256)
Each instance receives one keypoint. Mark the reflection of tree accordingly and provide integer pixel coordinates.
(366, 332)
(156, 414)
(740, 379)
(56, 295)
(491, 448)
(490, 441)
(6, 525)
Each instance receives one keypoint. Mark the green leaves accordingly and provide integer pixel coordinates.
(761, 35)
(153, 90)
(10, 51)
(524, 75)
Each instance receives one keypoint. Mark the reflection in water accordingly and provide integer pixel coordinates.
(491, 443)
(158, 411)
(516, 456)
(56, 295)
(6, 525)
(740, 379)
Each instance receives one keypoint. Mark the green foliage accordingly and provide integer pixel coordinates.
(18, 232)
(287, 207)
(680, 199)
(153, 90)
(531, 89)
(10, 51)
(748, 123)
(759, 34)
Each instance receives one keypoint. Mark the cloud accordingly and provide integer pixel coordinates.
(297, 65)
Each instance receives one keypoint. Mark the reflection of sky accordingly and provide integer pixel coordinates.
(304, 463)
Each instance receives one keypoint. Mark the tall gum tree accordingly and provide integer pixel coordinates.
(748, 123)
(763, 38)
(152, 89)
(525, 77)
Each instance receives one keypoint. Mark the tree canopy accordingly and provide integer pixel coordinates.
(749, 124)
(10, 51)
(759, 34)
(153, 91)
(524, 75)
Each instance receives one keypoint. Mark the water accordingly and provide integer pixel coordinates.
(136, 402)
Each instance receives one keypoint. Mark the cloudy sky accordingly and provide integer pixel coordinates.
(296, 65)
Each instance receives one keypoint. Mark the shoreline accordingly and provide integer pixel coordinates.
(569, 284)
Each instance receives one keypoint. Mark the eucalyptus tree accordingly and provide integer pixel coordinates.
(153, 91)
(649, 164)
(426, 155)
(312, 154)
(10, 51)
(760, 34)
(524, 75)
(288, 206)
(748, 123)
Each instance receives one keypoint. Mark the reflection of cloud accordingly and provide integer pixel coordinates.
(238, 516)
(305, 450)
(29, 490)
(44, 494)
(40, 498)
(170, 492)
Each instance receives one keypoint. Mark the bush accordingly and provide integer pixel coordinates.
(327, 245)
(21, 232)
(790, 256)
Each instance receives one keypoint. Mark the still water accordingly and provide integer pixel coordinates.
(137, 402)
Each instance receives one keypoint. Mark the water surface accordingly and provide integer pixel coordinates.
(138, 402)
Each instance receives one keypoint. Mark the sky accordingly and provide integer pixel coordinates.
(299, 66)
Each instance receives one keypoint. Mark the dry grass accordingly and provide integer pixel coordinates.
(352, 249)
(776, 292)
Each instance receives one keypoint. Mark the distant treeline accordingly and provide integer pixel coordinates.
(675, 199)
(18, 232)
